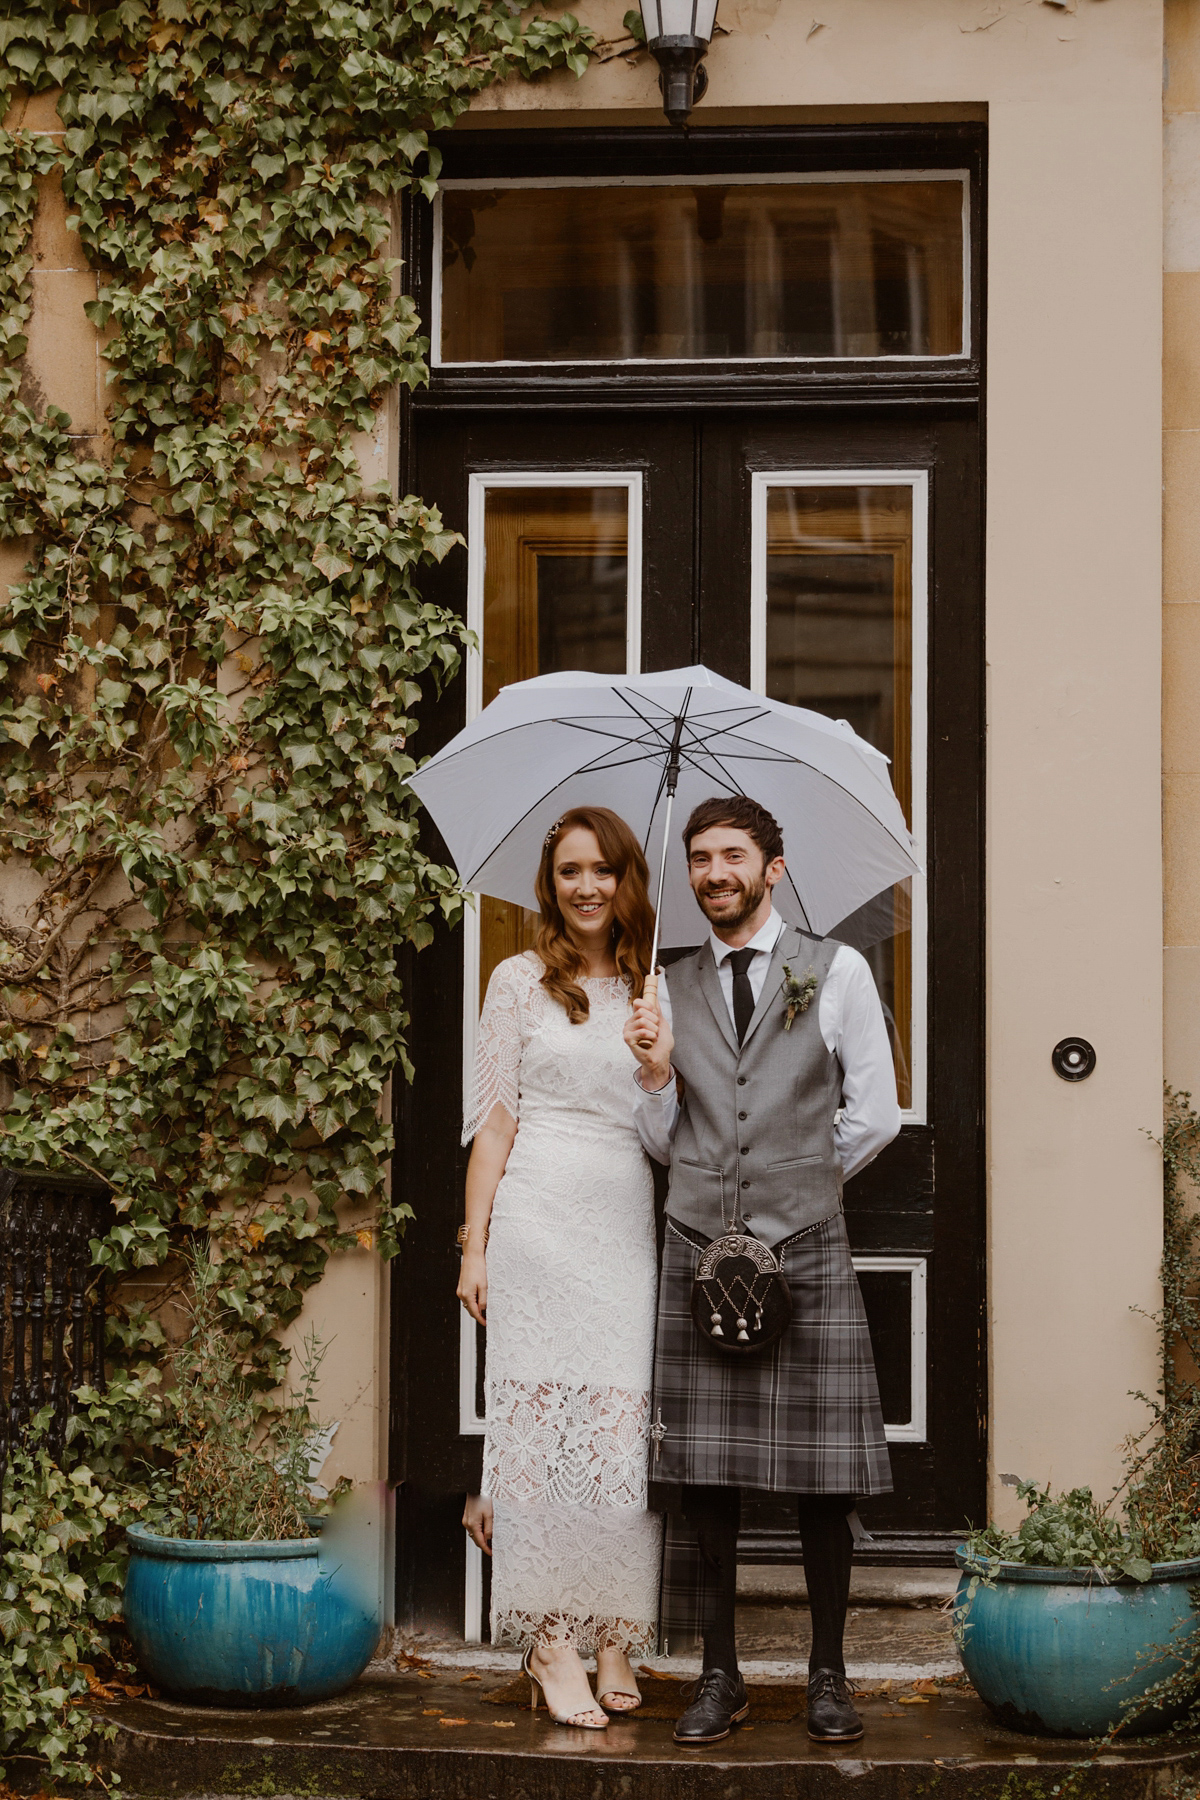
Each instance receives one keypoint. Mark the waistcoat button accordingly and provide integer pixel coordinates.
(741, 1081)
(745, 1184)
(745, 1150)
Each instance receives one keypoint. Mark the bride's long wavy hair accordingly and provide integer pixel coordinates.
(633, 932)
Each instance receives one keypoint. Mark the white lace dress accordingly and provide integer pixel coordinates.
(570, 1336)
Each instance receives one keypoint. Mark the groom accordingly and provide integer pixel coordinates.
(742, 1105)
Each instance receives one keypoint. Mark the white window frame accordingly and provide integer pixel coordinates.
(914, 1429)
(470, 1422)
(918, 481)
(825, 177)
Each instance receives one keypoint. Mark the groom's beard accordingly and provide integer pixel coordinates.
(726, 912)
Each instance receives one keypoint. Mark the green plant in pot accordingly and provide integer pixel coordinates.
(229, 1599)
(1085, 1619)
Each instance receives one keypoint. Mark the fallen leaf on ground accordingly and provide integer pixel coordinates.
(925, 1686)
(426, 1675)
(471, 1677)
(454, 1721)
(913, 1700)
(505, 1724)
(431, 1712)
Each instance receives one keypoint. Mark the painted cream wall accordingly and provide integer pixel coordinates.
(1072, 95)
(1181, 547)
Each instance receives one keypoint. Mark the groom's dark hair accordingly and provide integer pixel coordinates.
(744, 815)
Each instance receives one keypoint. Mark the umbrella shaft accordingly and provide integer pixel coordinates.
(662, 876)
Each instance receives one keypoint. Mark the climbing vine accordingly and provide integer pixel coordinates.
(214, 656)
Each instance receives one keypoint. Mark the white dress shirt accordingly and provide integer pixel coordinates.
(852, 1026)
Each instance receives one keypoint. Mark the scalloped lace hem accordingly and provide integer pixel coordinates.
(632, 1636)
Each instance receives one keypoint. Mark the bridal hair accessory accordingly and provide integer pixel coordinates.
(552, 833)
(798, 993)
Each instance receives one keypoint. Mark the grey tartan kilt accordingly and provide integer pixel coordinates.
(804, 1418)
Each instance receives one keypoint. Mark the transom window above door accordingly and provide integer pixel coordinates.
(640, 268)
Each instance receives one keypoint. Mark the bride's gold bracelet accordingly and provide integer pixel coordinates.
(463, 1236)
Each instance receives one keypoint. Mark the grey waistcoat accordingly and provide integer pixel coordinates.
(757, 1120)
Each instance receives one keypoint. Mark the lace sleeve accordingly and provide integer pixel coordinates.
(501, 1041)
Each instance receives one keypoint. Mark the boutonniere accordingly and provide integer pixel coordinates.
(799, 993)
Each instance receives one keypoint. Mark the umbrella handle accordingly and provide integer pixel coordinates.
(649, 994)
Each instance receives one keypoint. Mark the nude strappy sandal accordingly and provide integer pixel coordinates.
(578, 1721)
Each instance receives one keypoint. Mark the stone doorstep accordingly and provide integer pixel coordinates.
(455, 1656)
(385, 1740)
(886, 1638)
(764, 1583)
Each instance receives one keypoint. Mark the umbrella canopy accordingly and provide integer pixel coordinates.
(579, 739)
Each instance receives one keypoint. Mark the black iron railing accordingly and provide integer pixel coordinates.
(51, 1299)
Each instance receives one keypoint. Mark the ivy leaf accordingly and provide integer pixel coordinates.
(330, 563)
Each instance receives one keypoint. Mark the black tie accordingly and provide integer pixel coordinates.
(743, 993)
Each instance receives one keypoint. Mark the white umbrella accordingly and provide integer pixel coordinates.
(627, 742)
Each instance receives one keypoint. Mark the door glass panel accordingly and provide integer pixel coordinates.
(869, 268)
(839, 639)
(555, 596)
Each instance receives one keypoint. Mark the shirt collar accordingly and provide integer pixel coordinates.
(763, 941)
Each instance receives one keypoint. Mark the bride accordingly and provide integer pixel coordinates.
(559, 1263)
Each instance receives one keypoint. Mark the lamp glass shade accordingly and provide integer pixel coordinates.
(679, 18)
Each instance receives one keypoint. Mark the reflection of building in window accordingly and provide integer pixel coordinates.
(581, 613)
(555, 597)
(842, 269)
(839, 640)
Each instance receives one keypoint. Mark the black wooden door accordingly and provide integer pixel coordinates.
(768, 543)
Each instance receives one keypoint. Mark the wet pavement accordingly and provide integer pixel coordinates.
(438, 1733)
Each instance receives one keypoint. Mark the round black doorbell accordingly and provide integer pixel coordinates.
(1073, 1059)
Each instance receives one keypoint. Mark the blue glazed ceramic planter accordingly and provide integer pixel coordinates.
(1059, 1651)
(245, 1624)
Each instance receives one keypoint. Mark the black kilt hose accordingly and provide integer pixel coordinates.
(803, 1418)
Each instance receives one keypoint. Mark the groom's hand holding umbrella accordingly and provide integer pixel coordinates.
(649, 1037)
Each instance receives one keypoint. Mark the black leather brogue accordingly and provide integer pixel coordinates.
(717, 1702)
(831, 1715)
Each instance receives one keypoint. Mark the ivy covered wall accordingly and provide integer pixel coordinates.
(213, 642)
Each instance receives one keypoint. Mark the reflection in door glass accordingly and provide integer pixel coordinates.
(555, 596)
(839, 640)
(863, 268)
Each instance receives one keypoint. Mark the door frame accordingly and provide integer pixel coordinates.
(950, 390)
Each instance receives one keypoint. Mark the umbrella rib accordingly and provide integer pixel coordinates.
(515, 827)
(735, 788)
(584, 769)
(801, 762)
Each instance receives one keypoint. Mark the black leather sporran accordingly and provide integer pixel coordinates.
(741, 1302)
